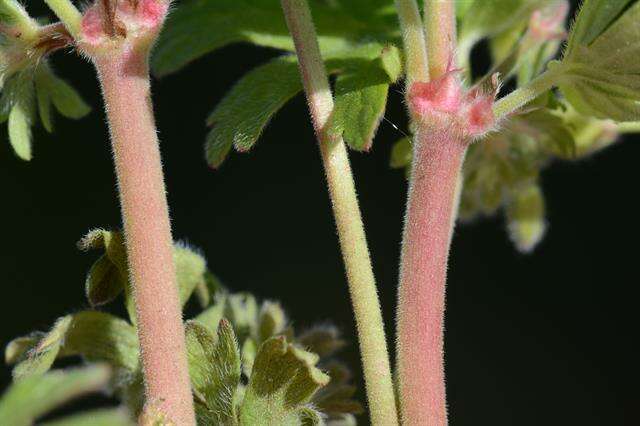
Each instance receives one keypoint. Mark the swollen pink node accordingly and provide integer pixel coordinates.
(443, 95)
(152, 12)
(92, 31)
(480, 118)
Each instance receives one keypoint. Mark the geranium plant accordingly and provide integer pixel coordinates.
(477, 145)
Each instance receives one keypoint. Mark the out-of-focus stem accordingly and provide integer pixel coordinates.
(362, 286)
(125, 85)
(440, 28)
(68, 14)
(415, 48)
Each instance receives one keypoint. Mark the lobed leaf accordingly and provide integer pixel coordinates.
(198, 27)
(594, 17)
(214, 367)
(96, 336)
(283, 380)
(271, 322)
(109, 275)
(361, 98)
(600, 73)
(245, 111)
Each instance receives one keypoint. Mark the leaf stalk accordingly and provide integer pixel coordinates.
(353, 243)
(415, 48)
(68, 14)
(523, 95)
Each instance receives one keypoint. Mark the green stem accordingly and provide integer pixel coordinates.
(520, 97)
(440, 27)
(629, 127)
(27, 26)
(415, 47)
(68, 14)
(362, 286)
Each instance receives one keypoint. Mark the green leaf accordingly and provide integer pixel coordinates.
(96, 336)
(245, 111)
(525, 217)
(594, 17)
(324, 340)
(104, 282)
(272, 321)
(32, 397)
(214, 367)
(211, 316)
(600, 73)
(360, 101)
(550, 130)
(44, 98)
(242, 310)
(283, 381)
(310, 417)
(401, 153)
(67, 100)
(20, 131)
(198, 27)
(103, 417)
(42, 356)
(190, 270)
(18, 348)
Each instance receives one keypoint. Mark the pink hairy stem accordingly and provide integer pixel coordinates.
(125, 86)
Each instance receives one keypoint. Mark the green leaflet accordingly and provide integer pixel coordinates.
(109, 275)
(32, 397)
(20, 130)
(104, 417)
(21, 91)
(600, 73)
(594, 17)
(52, 89)
(95, 335)
(283, 380)
(242, 115)
(18, 348)
(242, 310)
(361, 98)
(271, 322)
(214, 367)
(322, 340)
(401, 153)
(525, 217)
(550, 131)
(198, 27)
(104, 282)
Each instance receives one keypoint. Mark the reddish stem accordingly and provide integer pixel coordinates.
(437, 163)
(125, 85)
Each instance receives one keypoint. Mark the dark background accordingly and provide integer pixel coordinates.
(531, 339)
